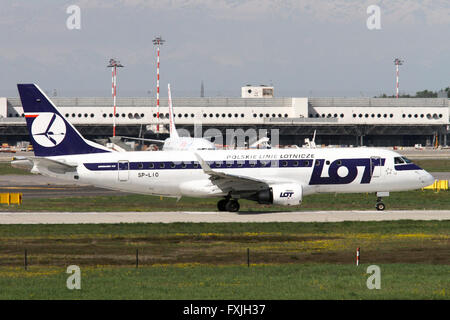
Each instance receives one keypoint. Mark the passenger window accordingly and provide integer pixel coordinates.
(398, 160)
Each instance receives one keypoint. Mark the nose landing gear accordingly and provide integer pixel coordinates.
(228, 204)
(380, 206)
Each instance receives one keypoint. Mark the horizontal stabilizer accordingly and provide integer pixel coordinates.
(39, 165)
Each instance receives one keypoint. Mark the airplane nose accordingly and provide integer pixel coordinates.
(427, 179)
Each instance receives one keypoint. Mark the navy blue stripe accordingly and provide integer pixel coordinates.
(163, 165)
(409, 166)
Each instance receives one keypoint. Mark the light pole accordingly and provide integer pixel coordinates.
(113, 64)
(158, 41)
(397, 63)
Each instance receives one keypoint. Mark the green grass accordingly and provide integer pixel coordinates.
(225, 243)
(209, 261)
(5, 168)
(307, 281)
(22, 231)
(442, 165)
(414, 200)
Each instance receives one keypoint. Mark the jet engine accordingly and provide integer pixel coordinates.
(286, 194)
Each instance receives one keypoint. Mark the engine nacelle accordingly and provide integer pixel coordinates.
(285, 194)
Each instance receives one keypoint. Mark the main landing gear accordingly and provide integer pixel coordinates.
(228, 204)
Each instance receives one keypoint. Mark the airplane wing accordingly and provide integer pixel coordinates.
(233, 183)
(38, 165)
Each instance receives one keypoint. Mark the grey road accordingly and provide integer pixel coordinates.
(169, 217)
(37, 186)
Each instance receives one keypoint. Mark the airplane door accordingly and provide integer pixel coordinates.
(123, 167)
(375, 166)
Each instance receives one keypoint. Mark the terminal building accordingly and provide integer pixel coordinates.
(337, 121)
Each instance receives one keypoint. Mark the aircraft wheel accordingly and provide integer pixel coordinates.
(232, 206)
(221, 205)
(380, 206)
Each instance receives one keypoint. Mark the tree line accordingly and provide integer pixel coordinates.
(419, 94)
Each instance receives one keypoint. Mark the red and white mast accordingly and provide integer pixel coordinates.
(114, 91)
(158, 41)
(113, 64)
(398, 63)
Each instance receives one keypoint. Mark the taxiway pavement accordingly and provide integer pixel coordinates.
(171, 217)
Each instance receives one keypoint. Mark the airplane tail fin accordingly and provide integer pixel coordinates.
(172, 128)
(50, 133)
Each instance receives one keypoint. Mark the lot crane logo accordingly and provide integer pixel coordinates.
(48, 129)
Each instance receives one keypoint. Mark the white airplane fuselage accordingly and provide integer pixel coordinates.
(268, 176)
(178, 173)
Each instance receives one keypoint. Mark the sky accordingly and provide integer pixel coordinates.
(301, 47)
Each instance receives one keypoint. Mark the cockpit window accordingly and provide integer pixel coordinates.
(406, 160)
(398, 160)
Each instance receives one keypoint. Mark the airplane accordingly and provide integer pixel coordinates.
(267, 176)
(175, 142)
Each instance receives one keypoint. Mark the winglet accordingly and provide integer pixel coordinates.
(172, 128)
(206, 168)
